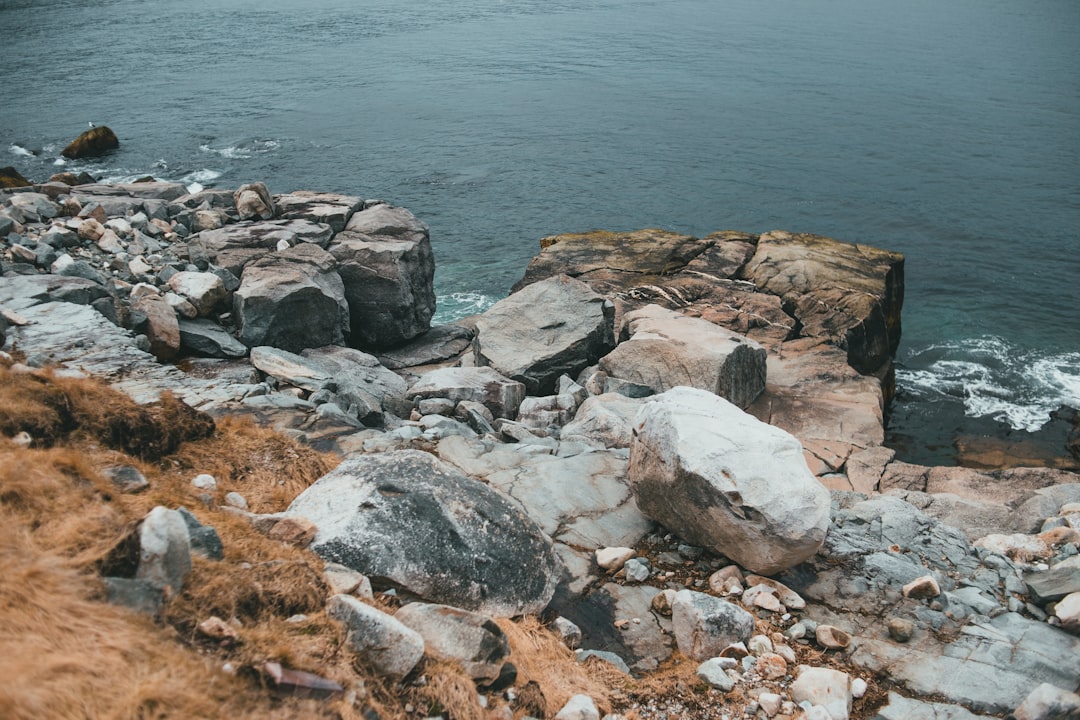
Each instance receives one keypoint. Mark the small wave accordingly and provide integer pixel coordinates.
(455, 306)
(242, 151)
(993, 378)
(21, 151)
(197, 180)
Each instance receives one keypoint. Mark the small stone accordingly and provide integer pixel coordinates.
(236, 500)
(612, 559)
(830, 689)
(1067, 611)
(204, 482)
(923, 587)
(900, 629)
(579, 707)
(759, 645)
(714, 674)
(770, 703)
(23, 439)
(832, 638)
(661, 602)
(126, 478)
(771, 666)
(637, 570)
(735, 651)
(295, 531)
(796, 631)
(568, 631)
(302, 684)
(217, 629)
(858, 688)
(788, 653)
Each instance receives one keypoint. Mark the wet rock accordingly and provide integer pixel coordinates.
(705, 625)
(386, 265)
(666, 349)
(470, 638)
(397, 517)
(551, 328)
(91, 143)
(378, 639)
(728, 482)
(293, 299)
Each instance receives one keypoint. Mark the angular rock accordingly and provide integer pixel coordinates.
(713, 673)
(388, 269)
(1047, 702)
(161, 327)
(325, 208)
(205, 338)
(127, 478)
(704, 625)
(293, 299)
(666, 349)
(726, 481)
(164, 550)
(204, 290)
(579, 707)
(234, 246)
(1067, 610)
(470, 638)
(384, 643)
(439, 344)
(851, 295)
(607, 419)
(826, 687)
(400, 519)
(253, 201)
(498, 394)
(550, 328)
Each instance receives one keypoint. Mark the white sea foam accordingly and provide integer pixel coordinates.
(993, 378)
(20, 151)
(455, 306)
(243, 150)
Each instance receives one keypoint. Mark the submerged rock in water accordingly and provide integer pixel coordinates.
(93, 142)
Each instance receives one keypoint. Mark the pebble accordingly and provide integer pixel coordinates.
(832, 638)
(204, 482)
(637, 570)
(770, 703)
(612, 559)
(236, 500)
(771, 666)
(900, 629)
(858, 688)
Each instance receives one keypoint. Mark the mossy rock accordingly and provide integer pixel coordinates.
(10, 178)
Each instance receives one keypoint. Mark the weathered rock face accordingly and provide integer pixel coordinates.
(293, 299)
(402, 519)
(93, 142)
(234, 246)
(202, 289)
(607, 419)
(388, 270)
(726, 481)
(498, 394)
(326, 208)
(852, 298)
(550, 328)
(666, 349)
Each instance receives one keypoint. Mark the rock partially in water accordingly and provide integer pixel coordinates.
(91, 143)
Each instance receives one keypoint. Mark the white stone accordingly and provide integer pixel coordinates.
(236, 500)
(579, 707)
(1067, 611)
(727, 481)
(204, 482)
(770, 703)
(613, 558)
(1047, 702)
(202, 289)
(858, 688)
(830, 689)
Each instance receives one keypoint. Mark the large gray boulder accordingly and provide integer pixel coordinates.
(666, 349)
(292, 299)
(388, 269)
(405, 519)
(553, 327)
(726, 481)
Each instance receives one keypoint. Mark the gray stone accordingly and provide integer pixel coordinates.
(579, 707)
(609, 657)
(470, 638)
(666, 349)
(606, 418)
(138, 595)
(203, 290)
(826, 687)
(388, 270)
(164, 550)
(204, 539)
(498, 394)
(637, 570)
(23, 291)
(568, 631)
(126, 478)
(551, 328)
(234, 246)
(439, 344)
(704, 625)
(293, 299)
(726, 481)
(386, 644)
(399, 518)
(326, 208)
(1053, 584)
(713, 673)
(205, 338)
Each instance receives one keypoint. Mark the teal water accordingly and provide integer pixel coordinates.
(947, 131)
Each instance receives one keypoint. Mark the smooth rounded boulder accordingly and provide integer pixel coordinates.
(407, 520)
(726, 481)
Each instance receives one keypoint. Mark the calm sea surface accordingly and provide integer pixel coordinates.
(949, 131)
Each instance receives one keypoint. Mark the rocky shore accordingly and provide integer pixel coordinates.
(669, 448)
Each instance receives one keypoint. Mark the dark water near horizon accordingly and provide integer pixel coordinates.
(949, 131)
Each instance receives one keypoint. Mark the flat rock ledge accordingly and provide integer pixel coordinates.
(512, 463)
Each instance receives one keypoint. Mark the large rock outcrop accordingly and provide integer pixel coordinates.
(852, 298)
(388, 269)
(726, 481)
(666, 349)
(405, 519)
(553, 327)
(292, 299)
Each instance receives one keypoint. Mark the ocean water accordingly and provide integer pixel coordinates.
(949, 131)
